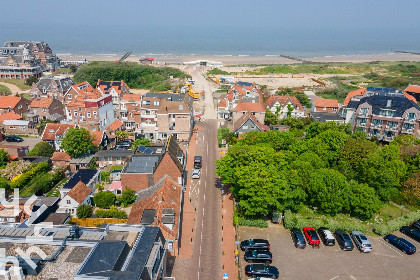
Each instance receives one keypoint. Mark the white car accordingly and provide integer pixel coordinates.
(196, 174)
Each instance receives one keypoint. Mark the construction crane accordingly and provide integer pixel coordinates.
(124, 57)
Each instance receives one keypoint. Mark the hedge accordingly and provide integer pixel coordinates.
(111, 213)
(292, 220)
(396, 224)
(26, 177)
(43, 183)
(240, 221)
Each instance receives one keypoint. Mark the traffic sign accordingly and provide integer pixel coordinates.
(225, 276)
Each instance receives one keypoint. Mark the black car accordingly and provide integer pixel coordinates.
(261, 270)
(258, 256)
(344, 240)
(298, 238)
(326, 236)
(401, 244)
(417, 225)
(197, 162)
(14, 139)
(255, 244)
(412, 232)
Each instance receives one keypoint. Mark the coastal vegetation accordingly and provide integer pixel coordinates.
(336, 174)
(4, 89)
(17, 82)
(135, 75)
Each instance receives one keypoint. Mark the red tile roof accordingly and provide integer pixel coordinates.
(7, 101)
(79, 101)
(53, 129)
(41, 102)
(243, 89)
(410, 97)
(107, 86)
(250, 107)
(96, 137)
(413, 88)
(132, 97)
(222, 104)
(283, 99)
(115, 125)
(352, 94)
(328, 103)
(79, 192)
(61, 156)
(9, 116)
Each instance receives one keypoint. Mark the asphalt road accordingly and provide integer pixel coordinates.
(207, 252)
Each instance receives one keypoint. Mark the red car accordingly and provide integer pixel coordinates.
(311, 236)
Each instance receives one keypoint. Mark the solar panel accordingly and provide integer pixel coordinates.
(142, 148)
(148, 151)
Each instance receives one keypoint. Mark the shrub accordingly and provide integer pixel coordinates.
(252, 223)
(42, 149)
(127, 197)
(396, 224)
(84, 211)
(26, 177)
(111, 213)
(104, 199)
(105, 176)
(43, 183)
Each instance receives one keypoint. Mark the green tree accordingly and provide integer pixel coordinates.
(42, 124)
(364, 202)
(93, 165)
(127, 197)
(73, 68)
(43, 149)
(411, 188)
(405, 140)
(84, 211)
(140, 142)
(32, 79)
(290, 109)
(104, 199)
(122, 134)
(77, 141)
(270, 118)
(4, 183)
(4, 157)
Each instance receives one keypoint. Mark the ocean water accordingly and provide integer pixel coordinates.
(299, 42)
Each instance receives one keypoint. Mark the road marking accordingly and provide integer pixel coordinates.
(334, 277)
(389, 246)
(352, 277)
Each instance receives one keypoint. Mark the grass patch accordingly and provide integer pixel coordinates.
(223, 89)
(54, 192)
(17, 82)
(5, 89)
(64, 70)
(116, 167)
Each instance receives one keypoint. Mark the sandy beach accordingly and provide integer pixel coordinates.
(241, 60)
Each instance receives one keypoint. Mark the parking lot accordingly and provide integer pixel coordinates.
(384, 262)
(27, 141)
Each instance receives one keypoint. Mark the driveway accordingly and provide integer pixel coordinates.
(27, 141)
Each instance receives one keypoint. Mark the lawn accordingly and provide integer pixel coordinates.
(4, 89)
(56, 190)
(18, 82)
(116, 167)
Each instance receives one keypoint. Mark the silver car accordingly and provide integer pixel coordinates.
(196, 174)
(361, 241)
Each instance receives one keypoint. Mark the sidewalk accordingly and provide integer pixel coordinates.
(228, 232)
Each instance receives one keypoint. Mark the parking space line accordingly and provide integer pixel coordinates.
(389, 246)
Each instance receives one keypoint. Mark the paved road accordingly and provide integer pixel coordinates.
(207, 252)
(13, 88)
(200, 84)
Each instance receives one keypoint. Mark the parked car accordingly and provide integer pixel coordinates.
(401, 244)
(258, 256)
(262, 270)
(417, 225)
(124, 144)
(298, 239)
(118, 147)
(361, 241)
(257, 244)
(14, 139)
(196, 174)
(326, 236)
(412, 232)
(344, 240)
(260, 278)
(197, 162)
(311, 236)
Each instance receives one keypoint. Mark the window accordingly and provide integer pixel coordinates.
(245, 127)
(22, 127)
(75, 113)
(69, 96)
(68, 201)
(387, 113)
(12, 127)
(392, 124)
(156, 103)
(95, 114)
(88, 115)
(411, 116)
(364, 111)
(325, 108)
(145, 102)
(44, 110)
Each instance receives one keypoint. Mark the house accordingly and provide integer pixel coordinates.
(57, 219)
(165, 114)
(78, 195)
(80, 162)
(324, 105)
(116, 187)
(129, 111)
(10, 116)
(117, 125)
(256, 109)
(280, 104)
(112, 157)
(99, 138)
(89, 177)
(160, 205)
(18, 105)
(384, 116)
(147, 60)
(44, 108)
(117, 89)
(414, 91)
(90, 109)
(142, 170)
(61, 159)
(75, 90)
(19, 127)
(247, 123)
(51, 87)
(54, 133)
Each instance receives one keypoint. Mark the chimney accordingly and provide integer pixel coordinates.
(388, 103)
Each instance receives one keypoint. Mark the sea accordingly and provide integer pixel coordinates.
(218, 41)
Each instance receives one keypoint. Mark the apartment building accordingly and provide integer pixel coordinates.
(129, 111)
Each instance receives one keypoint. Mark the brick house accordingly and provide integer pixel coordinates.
(279, 105)
(51, 87)
(44, 108)
(18, 127)
(129, 107)
(75, 90)
(78, 195)
(324, 105)
(18, 105)
(54, 133)
(163, 115)
(11, 116)
(117, 125)
(247, 123)
(160, 205)
(383, 115)
(117, 89)
(112, 157)
(256, 109)
(91, 110)
(61, 159)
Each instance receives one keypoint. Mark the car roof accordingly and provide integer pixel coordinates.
(308, 228)
(356, 232)
(328, 234)
(197, 157)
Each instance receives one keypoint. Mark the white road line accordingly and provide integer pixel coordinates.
(334, 277)
(386, 244)
(352, 277)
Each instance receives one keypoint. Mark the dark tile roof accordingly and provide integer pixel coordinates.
(84, 175)
(113, 153)
(172, 148)
(148, 217)
(142, 164)
(57, 218)
(167, 96)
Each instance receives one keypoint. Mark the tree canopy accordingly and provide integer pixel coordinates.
(43, 149)
(77, 141)
(4, 157)
(104, 199)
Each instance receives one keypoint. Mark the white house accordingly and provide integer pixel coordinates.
(77, 196)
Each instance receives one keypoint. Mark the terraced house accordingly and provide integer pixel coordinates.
(117, 89)
(383, 113)
(52, 87)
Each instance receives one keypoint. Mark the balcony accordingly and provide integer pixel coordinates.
(144, 116)
(407, 130)
(376, 125)
(363, 115)
(410, 120)
(388, 139)
(391, 128)
(361, 124)
(123, 109)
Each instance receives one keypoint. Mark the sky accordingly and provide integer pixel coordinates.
(191, 26)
